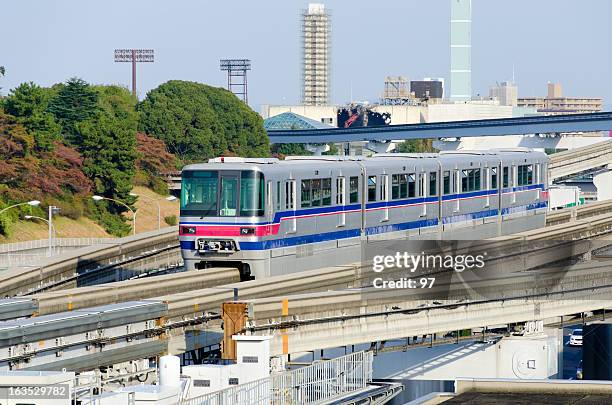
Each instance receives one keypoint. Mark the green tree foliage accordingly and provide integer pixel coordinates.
(76, 101)
(29, 103)
(415, 146)
(280, 150)
(108, 143)
(197, 122)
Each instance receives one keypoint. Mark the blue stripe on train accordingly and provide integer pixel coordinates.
(350, 233)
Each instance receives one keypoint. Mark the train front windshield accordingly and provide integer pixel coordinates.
(214, 193)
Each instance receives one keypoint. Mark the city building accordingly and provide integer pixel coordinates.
(461, 50)
(506, 93)
(316, 26)
(555, 103)
(427, 88)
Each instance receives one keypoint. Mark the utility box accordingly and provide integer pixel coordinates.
(153, 394)
(253, 363)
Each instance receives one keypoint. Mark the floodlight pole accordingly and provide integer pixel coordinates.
(134, 56)
(134, 72)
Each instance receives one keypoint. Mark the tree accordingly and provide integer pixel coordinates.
(2, 71)
(108, 147)
(29, 103)
(415, 146)
(197, 122)
(76, 101)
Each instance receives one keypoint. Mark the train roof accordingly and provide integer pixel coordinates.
(240, 163)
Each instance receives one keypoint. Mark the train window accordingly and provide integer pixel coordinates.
(477, 179)
(305, 193)
(470, 180)
(411, 185)
(278, 196)
(506, 177)
(395, 186)
(252, 193)
(326, 192)
(525, 175)
(315, 188)
(403, 181)
(433, 183)
(447, 182)
(371, 188)
(493, 178)
(199, 192)
(354, 189)
(529, 174)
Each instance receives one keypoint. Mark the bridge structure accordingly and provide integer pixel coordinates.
(455, 129)
(180, 313)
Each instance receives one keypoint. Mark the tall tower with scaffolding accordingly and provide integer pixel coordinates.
(461, 50)
(316, 29)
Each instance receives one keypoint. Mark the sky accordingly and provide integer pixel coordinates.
(565, 41)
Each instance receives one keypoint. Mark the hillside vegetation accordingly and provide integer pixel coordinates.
(65, 143)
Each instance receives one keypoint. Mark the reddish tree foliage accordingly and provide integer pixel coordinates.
(153, 158)
(39, 175)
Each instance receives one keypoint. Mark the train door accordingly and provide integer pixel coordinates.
(384, 196)
(422, 193)
(269, 202)
(514, 182)
(291, 203)
(538, 180)
(487, 185)
(341, 199)
(230, 193)
(364, 196)
(457, 188)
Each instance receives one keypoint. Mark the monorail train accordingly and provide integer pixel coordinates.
(270, 216)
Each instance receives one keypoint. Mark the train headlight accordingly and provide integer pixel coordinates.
(188, 230)
(247, 231)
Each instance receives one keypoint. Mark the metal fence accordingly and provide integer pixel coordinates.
(319, 382)
(58, 242)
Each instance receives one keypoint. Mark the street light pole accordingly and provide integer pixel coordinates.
(99, 198)
(51, 229)
(156, 201)
(32, 203)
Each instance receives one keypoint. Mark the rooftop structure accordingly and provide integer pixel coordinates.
(316, 29)
(396, 91)
(289, 120)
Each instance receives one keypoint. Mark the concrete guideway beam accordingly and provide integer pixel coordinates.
(437, 130)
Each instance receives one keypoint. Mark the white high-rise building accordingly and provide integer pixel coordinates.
(461, 50)
(316, 27)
